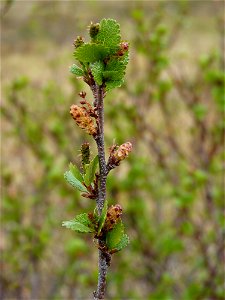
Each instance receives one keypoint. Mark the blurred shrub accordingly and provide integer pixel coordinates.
(172, 190)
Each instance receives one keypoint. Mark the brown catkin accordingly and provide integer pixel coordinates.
(122, 152)
(113, 215)
(82, 119)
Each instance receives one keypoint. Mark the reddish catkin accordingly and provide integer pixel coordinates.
(82, 119)
(113, 215)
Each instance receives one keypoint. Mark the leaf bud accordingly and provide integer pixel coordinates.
(78, 42)
(94, 29)
(82, 94)
(124, 46)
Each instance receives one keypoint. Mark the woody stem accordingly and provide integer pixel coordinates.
(101, 148)
(103, 258)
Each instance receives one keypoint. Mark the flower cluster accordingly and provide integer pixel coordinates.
(113, 215)
(118, 153)
(122, 152)
(83, 119)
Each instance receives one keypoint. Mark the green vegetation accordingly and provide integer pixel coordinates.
(171, 108)
(102, 65)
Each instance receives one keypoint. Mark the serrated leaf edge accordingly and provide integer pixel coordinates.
(127, 239)
(77, 68)
(74, 181)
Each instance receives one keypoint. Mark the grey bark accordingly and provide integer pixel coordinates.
(104, 258)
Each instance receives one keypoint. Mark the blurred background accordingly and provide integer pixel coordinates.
(171, 187)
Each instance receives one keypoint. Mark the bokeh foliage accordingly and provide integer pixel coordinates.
(171, 107)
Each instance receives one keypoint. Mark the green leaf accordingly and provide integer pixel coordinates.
(113, 84)
(85, 167)
(74, 181)
(125, 59)
(91, 53)
(109, 34)
(84, 219)
(116, 64)
(102, 217)
(95, 213)
(81, 224)
(115, 71)
(76, 226)
(76, 172)
(111, 75)
(97, 69)
(74, 69)
(90, 171)
(114, 236)
(123, 242)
